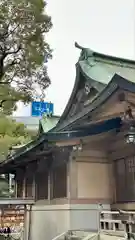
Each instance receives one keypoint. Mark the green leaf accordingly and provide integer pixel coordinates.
(12, 133)
(23, 49)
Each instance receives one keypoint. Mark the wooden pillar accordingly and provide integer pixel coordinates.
(19, 182)
(23, 183)
(15, 188)
(30, 180)
(72, 178)
(24, 187)
(69, 164)
(49, 185)
(34, 187)
(114, 183)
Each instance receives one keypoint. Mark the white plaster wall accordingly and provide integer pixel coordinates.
(47, 221)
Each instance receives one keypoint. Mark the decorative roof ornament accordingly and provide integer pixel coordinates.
(87, 88)
(128, 115)
(85, 52)
(78, 46)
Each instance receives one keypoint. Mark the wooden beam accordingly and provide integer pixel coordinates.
(122, 152)
(68, 143)
(92, 153)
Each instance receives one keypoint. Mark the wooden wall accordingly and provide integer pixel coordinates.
(20, 176)
(93, 175)
(122, 156)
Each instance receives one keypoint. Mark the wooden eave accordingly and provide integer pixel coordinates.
(86, 54)
(116, 83)
(66, 128)
(63, 133)
(55, 137)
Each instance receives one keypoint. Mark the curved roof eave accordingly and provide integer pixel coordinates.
(97, 85)
(91, 53)
(113, 58)
(67, 108)
(53, 137)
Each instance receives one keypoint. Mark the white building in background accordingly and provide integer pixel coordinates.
(32, 123)
(24, 115)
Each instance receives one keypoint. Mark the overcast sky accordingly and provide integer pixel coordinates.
(106, 26)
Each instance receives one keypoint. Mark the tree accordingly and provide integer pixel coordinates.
(24, 51)
(11, 134)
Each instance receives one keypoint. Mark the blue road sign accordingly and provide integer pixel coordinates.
(39, 108)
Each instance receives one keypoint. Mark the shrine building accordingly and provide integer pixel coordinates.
(88, 158)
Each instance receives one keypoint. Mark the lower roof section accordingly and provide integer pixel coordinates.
(55, 137)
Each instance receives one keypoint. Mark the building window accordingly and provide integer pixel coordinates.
(59, 181)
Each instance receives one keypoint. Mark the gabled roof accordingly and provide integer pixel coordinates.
(99, 69)
(91, 60)
(116, 82)
(58, 134)
(63, 133)
(95, 84)
(102, 68)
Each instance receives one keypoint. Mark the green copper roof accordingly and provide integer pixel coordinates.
(98, 71)
(47, 123)
(96, 74)
(102, 68)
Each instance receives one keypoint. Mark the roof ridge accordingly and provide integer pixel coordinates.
(87, 52)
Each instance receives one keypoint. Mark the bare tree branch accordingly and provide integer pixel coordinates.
(13, 52)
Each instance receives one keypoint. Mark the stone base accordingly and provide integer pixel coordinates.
(48, 221)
